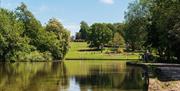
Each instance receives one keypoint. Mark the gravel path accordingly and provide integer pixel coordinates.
(156, 85)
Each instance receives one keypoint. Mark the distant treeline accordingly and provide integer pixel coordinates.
(152, 25)
(23, 38)
(99, 35)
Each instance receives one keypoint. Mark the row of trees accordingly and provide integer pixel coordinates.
(99, 35)
(154, 24)
(23, 38)
(149, 24)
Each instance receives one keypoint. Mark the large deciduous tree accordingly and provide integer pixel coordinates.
(53, 39)
(12, 44)
(22, 37)
(135, 25)
(54, 26)
(160, 19)
(31, 25)
(84, 30)
(174, 37)
(164, 16)
(100, 35)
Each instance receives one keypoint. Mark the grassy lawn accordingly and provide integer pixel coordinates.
(75, 53)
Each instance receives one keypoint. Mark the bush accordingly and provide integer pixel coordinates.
(120, 50)
(31, 57)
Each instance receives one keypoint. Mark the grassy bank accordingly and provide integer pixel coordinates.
(81, 51)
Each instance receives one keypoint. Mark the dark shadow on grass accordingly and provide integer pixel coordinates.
(89, 50)
(99, 59)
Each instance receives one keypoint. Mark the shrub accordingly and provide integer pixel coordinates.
(120, 50)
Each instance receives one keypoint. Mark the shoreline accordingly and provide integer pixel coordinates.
(98, 59)
(153, 64)
(156, 85)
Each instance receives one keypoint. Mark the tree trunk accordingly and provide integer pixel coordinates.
(133, 47)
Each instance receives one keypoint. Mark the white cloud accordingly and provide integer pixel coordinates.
(107, 1)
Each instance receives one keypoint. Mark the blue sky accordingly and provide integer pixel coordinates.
(72, 12)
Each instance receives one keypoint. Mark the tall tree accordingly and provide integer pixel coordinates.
(53, 39)
(100, 35)
(164, 15)
(78, 35)
(31, 25)
(22, 38)
(160, 19)
(119, 27)
(54, 26)
(84, 27)
(136, 23)
(12, 44)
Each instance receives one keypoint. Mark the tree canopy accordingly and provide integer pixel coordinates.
(135, 25)
(62, 37)
(23, 38)
(160, 20)
(84, 30)
(12, 43)
(99, 35)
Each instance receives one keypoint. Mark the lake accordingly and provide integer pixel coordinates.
(71, 76)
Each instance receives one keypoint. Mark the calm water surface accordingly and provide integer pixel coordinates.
(71, 76)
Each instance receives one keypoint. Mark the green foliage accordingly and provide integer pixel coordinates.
(135, 27)
(118, 40)
(61, 43)
(84, 31)
(164, 16)
(10, 36)
(163, 22)
(22, 37)
(32, 56)
(112, 27)
(78, 36)
(54, 26)
(174, 36)
(160, 19)
(31, 25)
(99, 35)
(119, 27)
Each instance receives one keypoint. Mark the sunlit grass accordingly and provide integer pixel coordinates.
(74, 53)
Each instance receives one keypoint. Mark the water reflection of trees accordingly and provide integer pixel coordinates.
(32, 76)
(53, 76)
(112, 78)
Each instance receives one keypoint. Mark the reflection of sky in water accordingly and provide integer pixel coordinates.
(73, 86)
